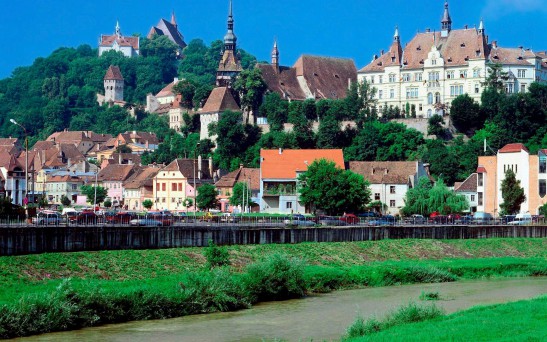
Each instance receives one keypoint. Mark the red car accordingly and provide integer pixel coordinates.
(350, 219)
(87, 218)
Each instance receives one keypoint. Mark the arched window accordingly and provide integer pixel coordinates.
(437, 97)
(429, 113)
(430, 98)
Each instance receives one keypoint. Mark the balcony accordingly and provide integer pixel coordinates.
(280, 189)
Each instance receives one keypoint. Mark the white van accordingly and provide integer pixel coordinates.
(522, 219)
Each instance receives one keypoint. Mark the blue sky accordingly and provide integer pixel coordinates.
(355, 29)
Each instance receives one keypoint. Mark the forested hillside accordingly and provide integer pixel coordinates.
(59, 91)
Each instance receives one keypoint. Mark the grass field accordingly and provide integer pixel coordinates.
(169, 283)
(518, 321)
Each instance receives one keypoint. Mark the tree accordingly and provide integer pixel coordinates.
(496, 77)
(89, 192)
(435, 126)
(417, 198)
(107, 203)
(147, 204)
(512, 194)
(329, 188)
(65, 201)
(445, 201)
(187, 90)
(207, 197)
(465, 113)
(123, 149)
(251, 88)
(240, 191)
(276, 110)
(329, 131)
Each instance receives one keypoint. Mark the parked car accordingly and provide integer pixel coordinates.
(87, 218)
(48, 217)
(521, 219)
(350, 219)
(325, 220)
(121, 217)
(146, 222)
(386, 220)
(165, 217)
(298, 220)
(507, 218)
(229, 218)
(480, 217)
(416, 219)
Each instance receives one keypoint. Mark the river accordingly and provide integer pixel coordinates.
(321, 317)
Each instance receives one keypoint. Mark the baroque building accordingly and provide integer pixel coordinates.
(436, 67)
(129, 46)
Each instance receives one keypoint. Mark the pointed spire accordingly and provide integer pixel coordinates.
(230, 38)
(118, 30)
(396, 34)
(173, 18)
(446, 22)
(275, 56)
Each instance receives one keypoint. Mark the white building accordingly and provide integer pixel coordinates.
(390, 181)
(436, 67)
(129, 46)
(468, 188)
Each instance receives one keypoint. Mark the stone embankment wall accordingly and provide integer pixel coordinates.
(20, 241)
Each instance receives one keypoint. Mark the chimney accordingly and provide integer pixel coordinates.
(280, 151)
(68, 163)
(175, 80)
(146, 144)
(427, 30)
(465, 27)
(382, 52)
(494, 44)
(119, 158)
(211, 166)
(386, 171)
(199, 167)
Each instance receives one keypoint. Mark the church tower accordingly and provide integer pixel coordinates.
(229, 66)
(113, 85)
(446, 22)
(275, 57)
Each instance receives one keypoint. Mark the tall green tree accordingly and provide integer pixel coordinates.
(240, 191)
(89, 192)
(326, 187)
(251, 87)
(207, 197)
(512, 194)
(417, 198)
(465, 113)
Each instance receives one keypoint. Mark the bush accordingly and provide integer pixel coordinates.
(217, 256)
(430, 296)
(278, 277)
(217, 290)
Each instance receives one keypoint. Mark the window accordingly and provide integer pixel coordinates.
(463, 73)
(542, 188)
(480, 198)
(180, 186)
(392, 203)
(174, 187)
(391, 93)
(450, 74)
(418, 76)
(372, 79)
(163, 186)
(481, 180)
(392, 189)
(380, 94)
(391, 78)
(472, 198)
(433, 76)
(509, 88)
(456, 90)
(377, 196)
(477, 88)
(433, 62)
(477, 72)
(289, 205)
(420, 107)
(521, 73)
(406, 77)
(411, 93)
(437, 97)
(380, 79)
(542, 163)
(523, 88)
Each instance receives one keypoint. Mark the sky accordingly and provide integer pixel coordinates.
(355, 29)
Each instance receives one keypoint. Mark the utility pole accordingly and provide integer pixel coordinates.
(26, 166)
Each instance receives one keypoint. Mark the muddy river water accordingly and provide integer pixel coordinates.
(317, 318)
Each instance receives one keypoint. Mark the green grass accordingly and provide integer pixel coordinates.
(517, 321)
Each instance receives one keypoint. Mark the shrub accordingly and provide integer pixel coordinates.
(361, 327)
(276, 278)
(430, 296)
(217, 256)
(216, 290)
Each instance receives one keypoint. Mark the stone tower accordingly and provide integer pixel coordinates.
(275, 57)
(446, 22)
(229, 66)
(113, 85)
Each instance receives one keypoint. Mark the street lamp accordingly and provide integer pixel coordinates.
(26, 161)
(195, 189)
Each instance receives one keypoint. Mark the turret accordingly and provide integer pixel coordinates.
(230, 38)
(446, 22)
(275, 57)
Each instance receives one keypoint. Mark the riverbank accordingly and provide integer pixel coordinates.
(522, 320)
(113, 287)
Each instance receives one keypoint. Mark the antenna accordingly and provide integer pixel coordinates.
(487, 146)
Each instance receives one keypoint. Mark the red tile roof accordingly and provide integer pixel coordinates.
(481, 169)
(385, 172)
(113, 73)
(284, 164)
(116, 172)
(219, 100)
(168, 89)
(108, 40)
(511, 56)
(469, 185)
(513, 148)
(243, 174)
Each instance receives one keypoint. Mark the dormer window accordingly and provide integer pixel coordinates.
(478, 53)
(392, 59)
(462, 45)
(419, 48)
(336, 76)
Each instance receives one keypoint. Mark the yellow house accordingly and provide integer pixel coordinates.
(174, 183)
